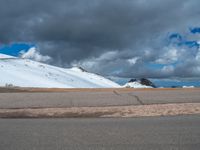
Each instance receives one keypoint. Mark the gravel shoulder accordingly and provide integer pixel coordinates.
(115, 111)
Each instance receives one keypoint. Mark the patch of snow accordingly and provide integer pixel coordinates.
(135, 84)
(188, 87)
(4, 56)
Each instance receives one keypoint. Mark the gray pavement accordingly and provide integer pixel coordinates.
(113, 97)
(152, 133)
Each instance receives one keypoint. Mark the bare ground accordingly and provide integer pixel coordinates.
(24, 89)
(115, 111)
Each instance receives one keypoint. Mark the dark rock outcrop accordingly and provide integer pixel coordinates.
(143, 81)
(147, 82)
(132, 80)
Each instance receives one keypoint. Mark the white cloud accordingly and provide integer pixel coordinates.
(168, 69)
(197, 57)
(103, 64)
(108, 55)
(95, 61)
(34, 54)
(133, 60)
(168, 57)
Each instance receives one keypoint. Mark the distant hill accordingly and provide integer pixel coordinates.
(139, 83)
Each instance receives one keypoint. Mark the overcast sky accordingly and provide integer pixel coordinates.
(122, 38)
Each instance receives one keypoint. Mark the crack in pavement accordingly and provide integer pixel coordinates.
(137, 98)
(131, 102)
(116, 93)
(130, 94)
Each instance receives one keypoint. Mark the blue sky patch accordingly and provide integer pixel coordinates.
(178, 40)
(175, 36)
(154, 66)
(195, 30)
(15, 48)
(191, 44)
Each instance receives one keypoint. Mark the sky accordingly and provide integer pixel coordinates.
(121, 39)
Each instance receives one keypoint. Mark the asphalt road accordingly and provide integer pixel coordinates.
(153, 133)
(81, 98)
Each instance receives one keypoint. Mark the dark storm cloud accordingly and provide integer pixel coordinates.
(105, 36)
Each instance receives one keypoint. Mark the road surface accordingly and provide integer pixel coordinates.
(153, 133)
(100, 98)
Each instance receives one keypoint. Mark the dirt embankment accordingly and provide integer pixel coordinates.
(21, 89)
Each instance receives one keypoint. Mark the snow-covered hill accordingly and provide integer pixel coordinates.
(27, 73)
(4, 56)
(141, 83)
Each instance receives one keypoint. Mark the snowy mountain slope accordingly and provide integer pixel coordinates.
(136, 85)
(133, 83)
(4, 56)
(28, 73)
